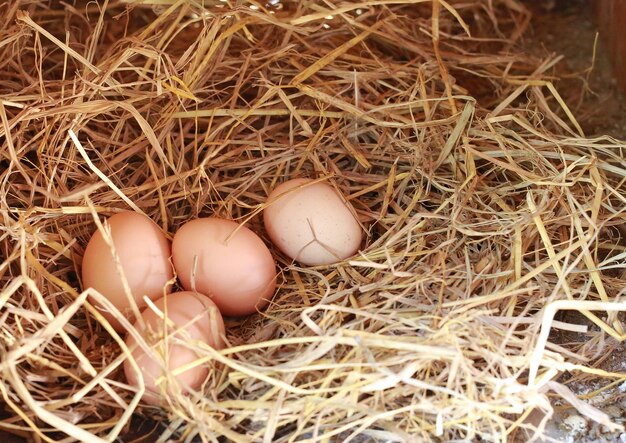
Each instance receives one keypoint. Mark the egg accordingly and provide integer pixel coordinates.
(144, 254)
(226, 261)
(192, 318)
(311, 223)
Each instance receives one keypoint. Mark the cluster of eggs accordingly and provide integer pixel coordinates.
(223, 267)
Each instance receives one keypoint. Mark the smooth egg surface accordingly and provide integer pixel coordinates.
(143, 252)
(311, 223)
(226, 261)
(191, 317)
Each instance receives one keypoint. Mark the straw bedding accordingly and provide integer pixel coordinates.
(488, 214)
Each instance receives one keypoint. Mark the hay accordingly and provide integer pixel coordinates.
(487, 212)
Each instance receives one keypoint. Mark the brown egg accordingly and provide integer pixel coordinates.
(143, 252)
(238, 273)
(311, 223)
(192, 317)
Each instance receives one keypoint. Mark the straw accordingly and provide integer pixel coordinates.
(489, 217)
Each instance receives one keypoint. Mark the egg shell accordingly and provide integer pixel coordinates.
(192, 317)
(235, 269)
(143, 252)
(311, 223)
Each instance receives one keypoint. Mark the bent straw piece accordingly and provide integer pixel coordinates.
(547, 317)
(43, 414)
(51, 329)
(98, 378)
(25, 18)
(459, 128)
(46, 333)
(101, 175)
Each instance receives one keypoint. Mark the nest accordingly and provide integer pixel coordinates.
(488, 214)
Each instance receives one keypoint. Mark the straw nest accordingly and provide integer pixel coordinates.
(487, 213)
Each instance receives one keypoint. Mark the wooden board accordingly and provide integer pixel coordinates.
(611, 18)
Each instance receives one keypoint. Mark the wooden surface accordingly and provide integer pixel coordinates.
(611, 18)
